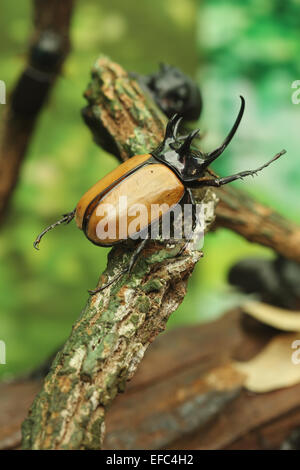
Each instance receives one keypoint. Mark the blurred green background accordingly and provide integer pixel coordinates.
(232, 47)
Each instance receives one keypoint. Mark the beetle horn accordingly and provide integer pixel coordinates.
(185, 147)
(216, 153)
(172, 126)
(66, 219)
(175, 129)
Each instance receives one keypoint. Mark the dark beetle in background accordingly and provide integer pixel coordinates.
(165, 175)
(173, 91)
(276, 282)
(32, 89)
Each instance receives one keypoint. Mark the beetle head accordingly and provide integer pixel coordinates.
(176, 151)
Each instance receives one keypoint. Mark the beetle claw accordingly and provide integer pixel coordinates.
(36, 244)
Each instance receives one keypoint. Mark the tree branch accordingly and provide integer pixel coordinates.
(49, 47)
(257, 223)
(117, 325)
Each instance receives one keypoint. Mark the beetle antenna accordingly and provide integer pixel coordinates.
(185, 147)
(66, 219)
(216, 153)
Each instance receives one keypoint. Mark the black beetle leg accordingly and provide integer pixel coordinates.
(128, 270)
(192, 201)
(228, 179)
(66, 219)
(136, 253)
(114, 279)
(194, 222)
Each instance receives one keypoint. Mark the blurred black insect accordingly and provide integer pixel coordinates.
(276, 282)
(173, 92)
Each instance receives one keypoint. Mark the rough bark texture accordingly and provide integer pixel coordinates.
(196, 399)
(114, 330)
(257, 223)
(31, 92)
(193, 400)
(121, 117)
